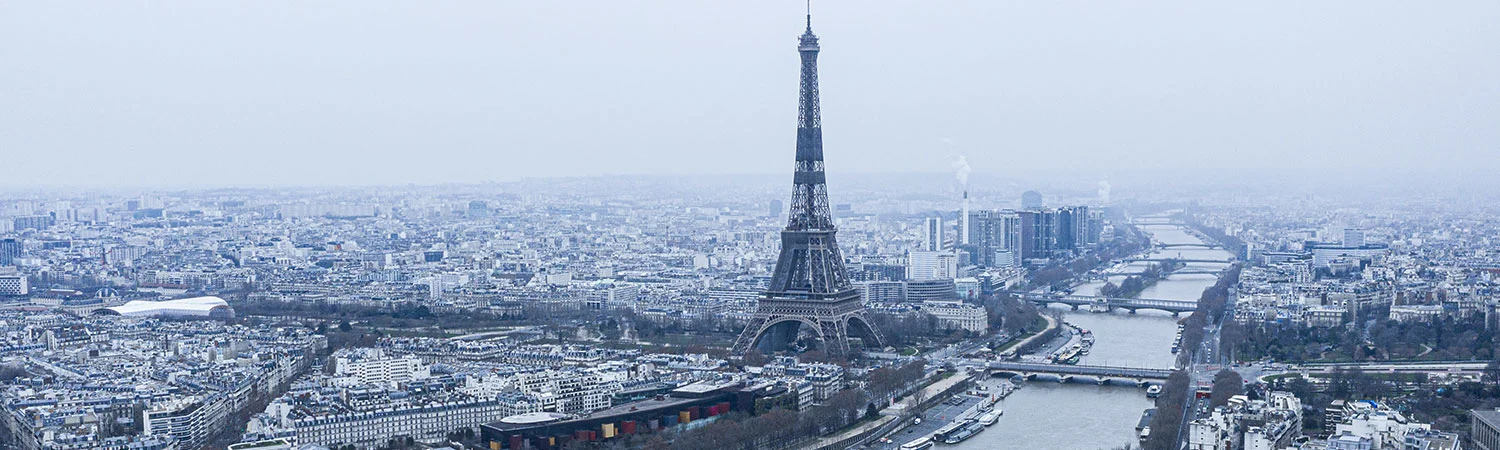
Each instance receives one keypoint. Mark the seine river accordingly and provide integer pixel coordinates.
(1050, 415)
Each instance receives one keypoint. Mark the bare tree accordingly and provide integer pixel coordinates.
(917, 397)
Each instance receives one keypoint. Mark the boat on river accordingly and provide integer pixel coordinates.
(1069, 356)
(1005, 390)
(989, 418)
(966, 429)
(922, 443)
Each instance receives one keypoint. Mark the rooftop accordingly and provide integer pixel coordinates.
(532, 418)
(1488, 416)
(201, 306)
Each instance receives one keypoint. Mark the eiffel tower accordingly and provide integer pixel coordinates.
(810, 286)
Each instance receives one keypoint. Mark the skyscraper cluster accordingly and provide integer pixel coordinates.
(1007, 238)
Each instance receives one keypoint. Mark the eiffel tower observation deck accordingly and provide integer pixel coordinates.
(810, 289)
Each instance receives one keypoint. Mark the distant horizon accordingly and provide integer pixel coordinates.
(391, 93)
(1412, 180)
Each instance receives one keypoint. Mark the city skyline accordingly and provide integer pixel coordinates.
(1326, 295)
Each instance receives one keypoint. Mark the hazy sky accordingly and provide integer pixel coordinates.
(256, 93)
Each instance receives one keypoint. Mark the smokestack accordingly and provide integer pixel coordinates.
(961, 172)
(964, 219)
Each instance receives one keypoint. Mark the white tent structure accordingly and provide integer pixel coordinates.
(185, 307)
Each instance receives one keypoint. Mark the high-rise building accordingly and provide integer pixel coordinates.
(932, 234)
(1010, 231)
(989, 232)
(810, 284)
(1072, 227)
(963, 220)
(1037, 230)
(478, 209)
(931, 265)
(776, 208)
(37, 222)
(994, 237)
(1044, 233)
(1031, 200)
(1354, 237)
(1095, 227)
(979, 236)
(10, 249)
(1066, 232)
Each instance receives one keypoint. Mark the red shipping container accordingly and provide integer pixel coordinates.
(694, 413)
(628, 427)
(517, 442)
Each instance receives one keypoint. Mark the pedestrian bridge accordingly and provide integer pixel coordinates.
(1111, 303)
(1065, 372)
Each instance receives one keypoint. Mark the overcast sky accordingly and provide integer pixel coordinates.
(254, 93)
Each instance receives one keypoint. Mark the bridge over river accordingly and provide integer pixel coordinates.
(1111, 303)
(1181, 260)
(1068, 372)
(1202, 246)
(1194, 271)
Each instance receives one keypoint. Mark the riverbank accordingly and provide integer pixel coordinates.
(896, 417)
(1048, 414)
(1133, 285)
(1030, 343)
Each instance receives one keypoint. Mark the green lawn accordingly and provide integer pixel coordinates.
(1283, 376)
(1397, 377)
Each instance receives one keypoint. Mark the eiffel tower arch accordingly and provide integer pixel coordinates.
(778, 322)
(810, 287)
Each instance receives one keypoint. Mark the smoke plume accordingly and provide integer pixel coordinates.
(962, 169)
